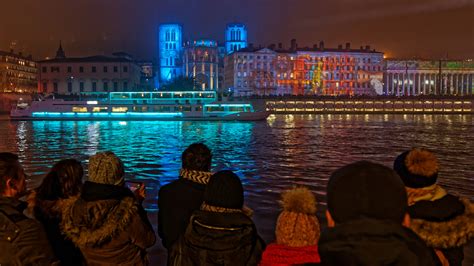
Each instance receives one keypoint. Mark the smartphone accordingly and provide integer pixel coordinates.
(133, 185)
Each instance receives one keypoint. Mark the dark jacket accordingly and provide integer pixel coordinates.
(218, 239)
(22, 240)
(446, 224)
(49, 214)
(176, 203)
(108, 225)
(373, 242)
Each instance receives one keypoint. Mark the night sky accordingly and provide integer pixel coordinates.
(401, 28)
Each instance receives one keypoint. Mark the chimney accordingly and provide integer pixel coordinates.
(20, 54)
(339, 47)
(348, 45)
(321, 45)
(362, 47)
(280, 46)
(250, 46)
(294, 45)
(272, 46)
(315, 46)
(367, 47)
(11, 51)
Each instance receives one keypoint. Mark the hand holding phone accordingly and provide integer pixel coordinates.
(138, 188)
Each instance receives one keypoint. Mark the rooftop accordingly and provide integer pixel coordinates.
(89, 59)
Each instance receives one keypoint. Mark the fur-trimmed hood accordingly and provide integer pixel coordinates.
(94, 222)
(452, 233)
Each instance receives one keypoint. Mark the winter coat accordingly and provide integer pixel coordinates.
(49, 214)
(213, 238)
(280, 255)
(22, 240)
(176, 202)
(108, 225)
(446, 224)
(373, 242)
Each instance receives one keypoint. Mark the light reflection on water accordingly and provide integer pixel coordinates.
(269, 156)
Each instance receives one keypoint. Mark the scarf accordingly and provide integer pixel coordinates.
(280, 255)
(431, 193)
(210, 208)
(199, 177)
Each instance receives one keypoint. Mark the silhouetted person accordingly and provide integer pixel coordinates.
(107, 222)
(22, 240)
(445, 222)
(367, 205)
(220, 233)
(64, 181)
(297, 231)
(180, 198)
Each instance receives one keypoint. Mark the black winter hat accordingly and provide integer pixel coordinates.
(417, 168)
(366, 189)
(225, 190)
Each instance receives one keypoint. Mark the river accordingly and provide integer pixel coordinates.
(269, 156)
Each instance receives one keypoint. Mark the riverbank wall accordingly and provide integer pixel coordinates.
(368, 106)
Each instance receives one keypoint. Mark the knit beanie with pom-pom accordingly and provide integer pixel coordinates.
(297, 225)
(417, 168)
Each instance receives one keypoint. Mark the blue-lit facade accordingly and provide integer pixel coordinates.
(170, 46)
(235, 37)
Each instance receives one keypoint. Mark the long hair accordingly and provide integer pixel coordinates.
(9, 167)
(63, 181)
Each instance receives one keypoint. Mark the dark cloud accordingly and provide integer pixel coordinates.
(405, 28)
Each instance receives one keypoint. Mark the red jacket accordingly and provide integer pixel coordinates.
(279, 255)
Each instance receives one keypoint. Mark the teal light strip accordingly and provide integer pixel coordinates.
(129, 114)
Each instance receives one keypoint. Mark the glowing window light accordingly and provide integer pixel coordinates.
(92, 102)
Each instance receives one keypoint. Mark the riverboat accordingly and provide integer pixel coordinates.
(157, 105)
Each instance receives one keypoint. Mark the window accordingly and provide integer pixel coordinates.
(115, 86)
(125, 69)
(115, 69)
(119, 109)
(81, 69)
(69, 69)
(105, 69)
(54, 69)
(94, 69)
(79, 109)
(125, 85)
(101, 109)
(45, 86)
(94, 86)
(106, 86)
(44, 69)
(69, 86)
(81, 86)
(55, 87)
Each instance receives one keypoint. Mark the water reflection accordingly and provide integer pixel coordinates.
(269, 156)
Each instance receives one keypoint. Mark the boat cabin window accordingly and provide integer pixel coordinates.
(120, 95)
(101, 109)
(119, 109)
(161, 108)
(236, 109)
(79, 109)
(198, 108)
(214, 108)
(161, 95)
(140, 95)
(140, 108)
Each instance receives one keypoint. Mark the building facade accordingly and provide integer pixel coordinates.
(429, 77)
(235, 37)
(170, 49)
(147, 75)
(201, 62)
(72, 76)
(17, 73)
(302, 71)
